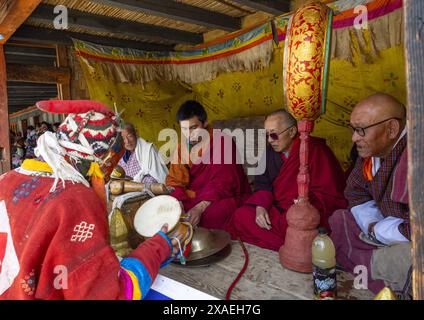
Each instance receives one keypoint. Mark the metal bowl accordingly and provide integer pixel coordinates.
(207, 242)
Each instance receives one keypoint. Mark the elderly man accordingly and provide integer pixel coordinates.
(54, 240)
(262, 219)
(141, 160)
(378, 215)
(211, 190)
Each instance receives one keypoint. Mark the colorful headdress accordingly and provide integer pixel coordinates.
(89, 134)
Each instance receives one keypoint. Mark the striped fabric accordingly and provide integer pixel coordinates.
(359, 190)
(137, 278)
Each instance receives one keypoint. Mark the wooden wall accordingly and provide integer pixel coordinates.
(414, 53)
(4, 118)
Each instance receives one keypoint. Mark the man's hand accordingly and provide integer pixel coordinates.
(262, 218)
(195, 213)
(371, 229)
(174, 242)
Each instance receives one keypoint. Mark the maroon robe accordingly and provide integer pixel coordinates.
(224, 185)
(327, 183)
(389, 189)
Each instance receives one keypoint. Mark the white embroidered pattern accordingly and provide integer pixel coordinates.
(82, 232)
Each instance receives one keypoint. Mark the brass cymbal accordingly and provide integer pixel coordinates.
(207, 242)
(207, 261)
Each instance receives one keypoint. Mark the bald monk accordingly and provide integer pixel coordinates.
(375, 231)
(209, 191)
(262, 219)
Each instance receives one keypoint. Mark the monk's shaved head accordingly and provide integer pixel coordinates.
(381, 105)
(378, 121)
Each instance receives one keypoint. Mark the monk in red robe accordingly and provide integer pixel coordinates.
(54, 241)
(212, 187)
(262, 219)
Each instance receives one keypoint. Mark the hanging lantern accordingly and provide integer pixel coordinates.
(305, 80)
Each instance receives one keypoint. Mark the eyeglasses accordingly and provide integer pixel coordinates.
(361, 131)
(274, 135)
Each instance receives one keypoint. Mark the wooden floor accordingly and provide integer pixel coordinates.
(264, 279)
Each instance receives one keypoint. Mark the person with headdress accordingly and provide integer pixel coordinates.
(262, 218)
(53, 221)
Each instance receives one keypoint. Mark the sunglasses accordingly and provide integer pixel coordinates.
(274, 136)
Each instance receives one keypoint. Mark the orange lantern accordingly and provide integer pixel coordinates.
(306, 65)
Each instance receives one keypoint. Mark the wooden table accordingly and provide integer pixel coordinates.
(264, 279)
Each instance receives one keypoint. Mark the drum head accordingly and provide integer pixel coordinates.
(154, 213)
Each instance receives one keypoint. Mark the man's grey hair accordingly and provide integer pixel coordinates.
(130, 128)
(284, 113)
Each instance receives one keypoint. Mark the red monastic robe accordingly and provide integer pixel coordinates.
(225, 185)
(56, 245)
(327, 183)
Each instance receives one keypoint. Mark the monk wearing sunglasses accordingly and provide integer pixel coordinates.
(262, 219)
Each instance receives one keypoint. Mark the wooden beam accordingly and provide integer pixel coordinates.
(99, 23)
(46, 36)
(275, 7)
(16, 14)
(30, 51)
(5, 6)
(177, 11)
(414, 55)
(37, 74)
(5, 157)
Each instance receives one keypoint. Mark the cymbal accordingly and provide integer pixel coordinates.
(207, 242)
(207, 261)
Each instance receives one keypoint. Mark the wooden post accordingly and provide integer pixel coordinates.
(4, 118)
(414, 54)
(63, 89)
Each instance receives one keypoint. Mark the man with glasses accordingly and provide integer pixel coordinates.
(378, 215)
(262, 219)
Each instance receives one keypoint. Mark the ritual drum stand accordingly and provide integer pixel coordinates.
(123, 236)
(305, 81)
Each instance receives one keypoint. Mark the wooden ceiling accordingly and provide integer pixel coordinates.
(159, 25)
(142, 24)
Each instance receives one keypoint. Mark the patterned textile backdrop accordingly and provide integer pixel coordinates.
(243, 75)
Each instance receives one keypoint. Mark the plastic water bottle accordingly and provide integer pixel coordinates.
(324, 266)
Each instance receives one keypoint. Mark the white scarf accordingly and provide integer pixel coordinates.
(53, 154)
(150, 161)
